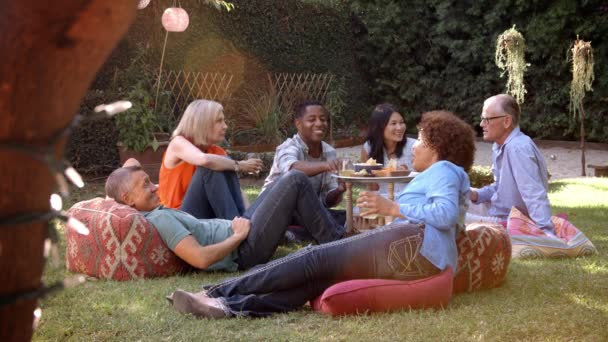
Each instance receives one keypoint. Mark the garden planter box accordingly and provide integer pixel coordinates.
(150, 160)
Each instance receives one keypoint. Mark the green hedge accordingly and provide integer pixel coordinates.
(91, 147)
(435, 54)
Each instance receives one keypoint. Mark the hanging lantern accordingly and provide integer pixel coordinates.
(175, 19)
(143, 4)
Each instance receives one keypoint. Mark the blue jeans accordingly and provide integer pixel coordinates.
(270, 214)
(213, 194)
(390, 252)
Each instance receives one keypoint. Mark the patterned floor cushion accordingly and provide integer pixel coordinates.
(529, 241)
(484, 253)
(381, 295)
(121, 245)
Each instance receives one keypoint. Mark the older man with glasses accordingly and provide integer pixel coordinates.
(520, 171)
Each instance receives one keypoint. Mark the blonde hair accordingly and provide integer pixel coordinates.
(198, 120)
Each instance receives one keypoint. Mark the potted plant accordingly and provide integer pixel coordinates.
(144, 129)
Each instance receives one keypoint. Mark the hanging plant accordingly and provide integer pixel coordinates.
(510, 50)
(582, 78)
(582, 75)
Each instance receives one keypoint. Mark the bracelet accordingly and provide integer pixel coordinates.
(236, 166)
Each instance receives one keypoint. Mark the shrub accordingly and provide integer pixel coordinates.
(481, 176)
(425, 55)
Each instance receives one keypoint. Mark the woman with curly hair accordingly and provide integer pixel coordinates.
(420, 243)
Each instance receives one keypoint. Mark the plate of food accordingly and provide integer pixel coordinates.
(365, 169)
(392, 170)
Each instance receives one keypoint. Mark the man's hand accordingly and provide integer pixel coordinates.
(240, 227)
(333, 165)
(473, 195)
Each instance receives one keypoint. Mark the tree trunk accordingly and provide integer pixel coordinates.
(51, 52)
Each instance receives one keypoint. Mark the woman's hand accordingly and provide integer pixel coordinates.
(374, 203)
(252, 165)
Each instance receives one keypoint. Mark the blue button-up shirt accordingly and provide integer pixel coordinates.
(520, 180)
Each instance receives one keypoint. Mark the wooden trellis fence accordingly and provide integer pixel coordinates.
(186, 86)
(292, 88)
(287, 88)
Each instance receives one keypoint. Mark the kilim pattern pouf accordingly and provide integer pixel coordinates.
(121, 245)
(484, 253)
(530, 241)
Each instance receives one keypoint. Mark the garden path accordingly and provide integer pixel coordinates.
(563, 158)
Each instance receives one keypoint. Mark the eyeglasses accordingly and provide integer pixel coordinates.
(487, 120)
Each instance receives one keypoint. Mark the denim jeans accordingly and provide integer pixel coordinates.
(390, 252)
(270, 214)
(213, 194)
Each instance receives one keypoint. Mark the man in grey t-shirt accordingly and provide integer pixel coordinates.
(227, 244)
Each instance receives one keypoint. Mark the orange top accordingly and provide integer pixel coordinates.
(174, 182)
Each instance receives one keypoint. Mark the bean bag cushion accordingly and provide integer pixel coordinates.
(529, 241)
(484, 253)
(381, 295)
(121, 245)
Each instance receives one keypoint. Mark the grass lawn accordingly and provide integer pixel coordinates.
(553, 300)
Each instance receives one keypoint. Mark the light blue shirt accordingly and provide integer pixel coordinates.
(520, 181)
(437, 198)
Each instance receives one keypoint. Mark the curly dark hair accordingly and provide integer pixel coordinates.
(448, 135)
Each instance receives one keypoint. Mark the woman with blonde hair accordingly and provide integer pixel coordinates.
(196, 175)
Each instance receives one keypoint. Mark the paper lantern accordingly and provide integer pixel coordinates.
(175, 19)
(143, 4)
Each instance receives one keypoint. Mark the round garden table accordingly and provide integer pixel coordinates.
(350, 180)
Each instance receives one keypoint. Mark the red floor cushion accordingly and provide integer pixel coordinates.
(380, 295)
(484, 253)
(121, 245)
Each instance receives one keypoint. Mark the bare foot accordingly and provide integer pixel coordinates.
(198, 305)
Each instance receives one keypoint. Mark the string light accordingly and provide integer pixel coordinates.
(37, 315)
(113, 108)
(143, 4)
(56, 202)
(60, 169)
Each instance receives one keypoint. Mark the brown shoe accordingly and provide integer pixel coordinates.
(198, 305)
(169, 298)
